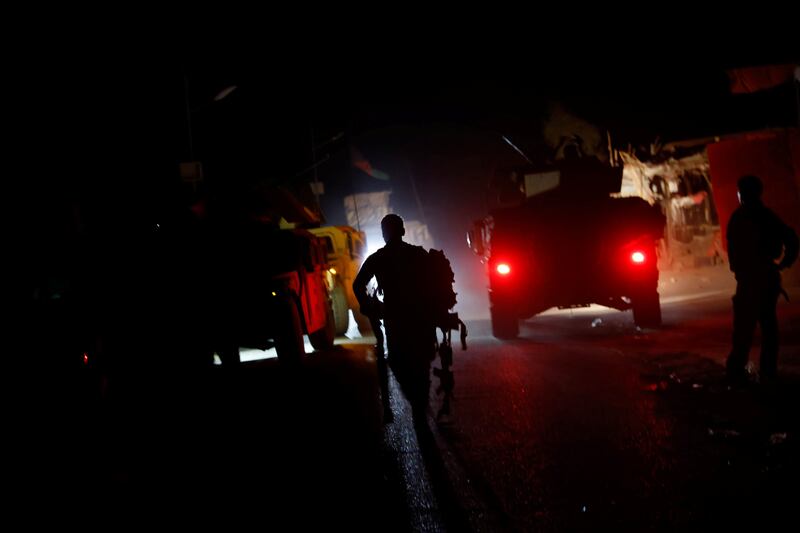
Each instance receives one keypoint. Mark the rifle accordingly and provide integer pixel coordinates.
(447, 380)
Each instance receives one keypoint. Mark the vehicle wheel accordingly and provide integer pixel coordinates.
(647, 310)
(505, 324)
(323, 338)
(341, 315)
(289, 338)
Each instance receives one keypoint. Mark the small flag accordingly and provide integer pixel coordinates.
(361, 162)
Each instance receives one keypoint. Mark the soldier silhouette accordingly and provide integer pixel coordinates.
(400, 270)
(760, 245)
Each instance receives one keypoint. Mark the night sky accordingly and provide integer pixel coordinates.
(137, 111)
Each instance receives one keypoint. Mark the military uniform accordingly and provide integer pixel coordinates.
(756, 240)
(400, 270)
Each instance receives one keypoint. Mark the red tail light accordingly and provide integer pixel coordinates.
(85, 358)
(503, 269)
(638, 257)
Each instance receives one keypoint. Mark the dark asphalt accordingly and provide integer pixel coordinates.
(581, 428)
(571, 427)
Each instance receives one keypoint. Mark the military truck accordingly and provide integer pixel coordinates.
(281, 291)
(346, 250)
(569, 243)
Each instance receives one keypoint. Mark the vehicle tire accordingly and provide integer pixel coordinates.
(323, 338)
(505, 323)
(647, 310)
(341, 314)
(289, 337)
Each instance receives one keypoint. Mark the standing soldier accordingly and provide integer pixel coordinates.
(400, 269)
(757, 239)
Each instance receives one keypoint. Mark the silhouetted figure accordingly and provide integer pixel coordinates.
(757, 239)
(400, 270)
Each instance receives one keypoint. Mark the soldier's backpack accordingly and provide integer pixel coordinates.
(440, 279)
(440, 294)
